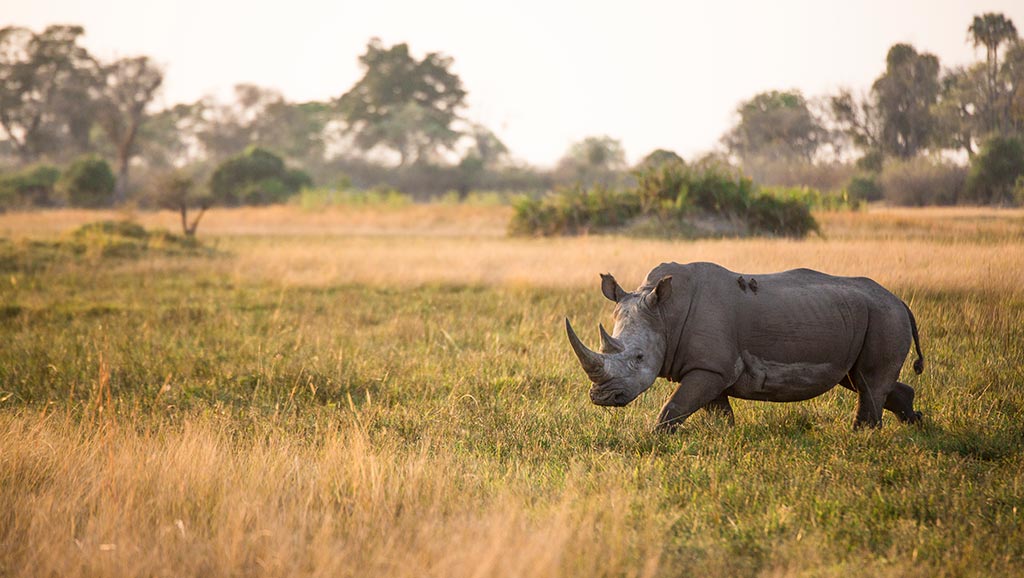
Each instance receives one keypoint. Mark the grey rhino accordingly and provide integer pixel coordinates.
(786, 336)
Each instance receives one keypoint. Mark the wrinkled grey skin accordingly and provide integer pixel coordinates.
(781, 337)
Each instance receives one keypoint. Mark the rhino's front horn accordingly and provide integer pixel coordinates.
(592, 362)
(608, 343)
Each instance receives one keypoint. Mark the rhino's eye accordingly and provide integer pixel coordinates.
(639, 356)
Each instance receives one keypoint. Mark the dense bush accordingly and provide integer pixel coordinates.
(864, 187)
(673, 198)
(995, 170)
(781, 217)
(573, 211)
(255, 177)
(922, 181)
(87, 182)
(32, 186)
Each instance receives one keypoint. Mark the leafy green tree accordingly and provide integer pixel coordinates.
(255, 177)
(402, 103)
(131, 84)
(87, 182)
(47, 88)
(776, 125)
(995, 170)
(993, 31)
(905, 94)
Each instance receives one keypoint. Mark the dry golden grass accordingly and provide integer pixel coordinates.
(283, 410)
(961, 249)
(121, 498)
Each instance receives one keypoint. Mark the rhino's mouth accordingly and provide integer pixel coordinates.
(609, 397)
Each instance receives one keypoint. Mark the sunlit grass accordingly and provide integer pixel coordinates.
(333, 404)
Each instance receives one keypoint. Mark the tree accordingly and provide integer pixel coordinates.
(404, 104)
(87, 182)
(593, 160)
(776, 126)
(176, 191)
(255, 177)
(995, 170)
(47, 88)
(992, 31)
(957, 111)
(858, 118)
(131, 84)
(905, 95)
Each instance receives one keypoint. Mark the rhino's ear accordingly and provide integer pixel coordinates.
(610, 288)
(661, 293)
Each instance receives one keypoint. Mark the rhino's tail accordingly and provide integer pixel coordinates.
(919, 362)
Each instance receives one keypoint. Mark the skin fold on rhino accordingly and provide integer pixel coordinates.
(781, 337)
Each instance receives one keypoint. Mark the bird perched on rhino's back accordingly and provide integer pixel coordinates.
(786, 336)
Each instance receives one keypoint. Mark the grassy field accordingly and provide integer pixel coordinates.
(389, 392)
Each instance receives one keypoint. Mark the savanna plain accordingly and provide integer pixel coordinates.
(377, 391)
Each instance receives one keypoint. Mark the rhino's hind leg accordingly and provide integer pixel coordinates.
(901, 403)
(871, 398)
(697, 389)
(721, 407)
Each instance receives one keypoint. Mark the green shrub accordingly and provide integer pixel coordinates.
(719, 189)
(864, 188)
(255, 177)
(663, 188)
(676, 200)
(573, 211)
(780, 217)
(88, 182)
(994, 172)
(32, 186)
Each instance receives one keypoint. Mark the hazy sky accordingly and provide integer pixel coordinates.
(541, 74)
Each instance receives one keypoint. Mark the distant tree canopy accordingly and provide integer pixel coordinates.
(47, 87)
(905, 95)
(593, 160)
(129, 86)
(776, 125)
(402, 103)
(255, 177)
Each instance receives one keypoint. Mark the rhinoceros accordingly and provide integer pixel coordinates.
(781, 337)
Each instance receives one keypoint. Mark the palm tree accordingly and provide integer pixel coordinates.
(991, 30)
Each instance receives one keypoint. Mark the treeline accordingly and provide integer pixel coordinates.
(77, 130)
(922, 134)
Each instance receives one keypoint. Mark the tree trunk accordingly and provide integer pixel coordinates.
(121, 185)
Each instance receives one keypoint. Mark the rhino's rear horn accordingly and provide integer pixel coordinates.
(592, 361)
(608, 343)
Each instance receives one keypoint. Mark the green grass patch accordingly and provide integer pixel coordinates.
(483, 380)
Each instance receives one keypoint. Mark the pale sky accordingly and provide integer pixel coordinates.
(541, 74)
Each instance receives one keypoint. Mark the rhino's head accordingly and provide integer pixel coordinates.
(631, 356)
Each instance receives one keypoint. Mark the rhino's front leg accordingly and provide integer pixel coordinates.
(697, 389)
